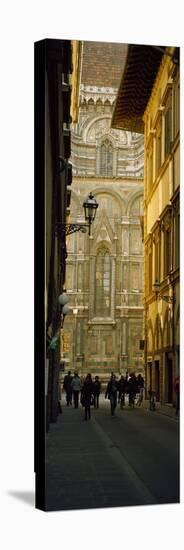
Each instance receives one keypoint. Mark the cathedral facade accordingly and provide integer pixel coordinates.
(104, 271)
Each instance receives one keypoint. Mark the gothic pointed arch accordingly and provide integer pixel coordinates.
(104, 234)
(107, 102)
(96, 127)
(101, 191)
(135, 205)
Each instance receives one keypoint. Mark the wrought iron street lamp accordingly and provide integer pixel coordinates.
(90, 206)
(65, 310)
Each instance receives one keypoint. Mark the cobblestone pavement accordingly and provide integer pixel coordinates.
(127, 460)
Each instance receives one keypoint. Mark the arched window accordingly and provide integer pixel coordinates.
(106, 159)
(103, 284)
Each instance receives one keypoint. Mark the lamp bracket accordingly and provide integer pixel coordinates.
(68, 228)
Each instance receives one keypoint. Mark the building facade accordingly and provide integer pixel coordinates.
(162, 242)
(104, 272)
(58, 176)
(155, 111)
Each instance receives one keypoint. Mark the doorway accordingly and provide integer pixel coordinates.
(149, 376)
(157, 380)
(169, 380)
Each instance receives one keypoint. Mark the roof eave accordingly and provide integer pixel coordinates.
(140, 70)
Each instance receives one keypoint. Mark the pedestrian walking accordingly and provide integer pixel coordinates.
(68, 388)
(121, 391)
(140, 389)
(86, 395)
(96, 391)
(76, 388)
(132, 388)
(111, 392)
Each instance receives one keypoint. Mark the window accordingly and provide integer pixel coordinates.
(158, 147)
(150, 271)
(106, 164)
(168, 124)
(103, 284)
(176, 107)
(150, 167)
(157, 262)
(177, 240)
(167, 250)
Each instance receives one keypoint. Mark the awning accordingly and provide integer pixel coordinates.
(141, 68)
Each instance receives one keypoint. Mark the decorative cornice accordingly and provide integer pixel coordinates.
(96, 93)
(108, 181)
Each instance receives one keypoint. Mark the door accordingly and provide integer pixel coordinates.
(149, 386)
(169, 380)
(157, 380)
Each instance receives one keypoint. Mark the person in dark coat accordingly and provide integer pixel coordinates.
(68, 388)
(121, 391)
(140, 389)
(86, 395)
(111, 393)
(96, 391)
(132, 389)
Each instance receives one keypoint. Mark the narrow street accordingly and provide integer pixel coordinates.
(131, 459)
(112, 281)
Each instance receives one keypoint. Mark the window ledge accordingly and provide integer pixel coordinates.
(102, 321)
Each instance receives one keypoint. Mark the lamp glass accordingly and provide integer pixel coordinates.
(66, 310)
(90, 206)
(63, 299)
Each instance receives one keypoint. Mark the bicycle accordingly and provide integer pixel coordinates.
(152, 402)
(122, 400)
